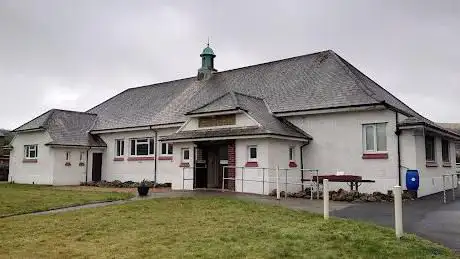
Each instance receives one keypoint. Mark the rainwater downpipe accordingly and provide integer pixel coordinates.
(155, 156)
(398, 133)
(301, 163)
(87, 160)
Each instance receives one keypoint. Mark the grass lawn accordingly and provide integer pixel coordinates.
(19, 199)
(202, 227)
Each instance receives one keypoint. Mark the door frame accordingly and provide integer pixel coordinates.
(96, 167)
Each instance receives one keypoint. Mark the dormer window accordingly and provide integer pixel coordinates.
(214, 121)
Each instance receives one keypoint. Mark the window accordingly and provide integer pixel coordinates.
(166, 148)
(82, 155)
(457, 153)
(252, 153)
(375, 137)
(291, 153)
(119, 147)
(213, 121)
(67, 156)
(445, 151)
(142, 147)
(30, 151)
(430, 151)
(185, 155)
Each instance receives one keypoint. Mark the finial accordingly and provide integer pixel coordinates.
(208, 41)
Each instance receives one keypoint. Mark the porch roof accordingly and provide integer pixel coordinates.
(234, 132)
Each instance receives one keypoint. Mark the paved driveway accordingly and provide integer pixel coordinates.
(427, 217)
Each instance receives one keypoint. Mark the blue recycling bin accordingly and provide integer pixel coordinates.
(412, 180)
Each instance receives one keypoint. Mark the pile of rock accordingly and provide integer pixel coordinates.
(127, 184)
(343, 195)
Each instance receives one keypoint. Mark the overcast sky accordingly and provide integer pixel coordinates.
(76, 54)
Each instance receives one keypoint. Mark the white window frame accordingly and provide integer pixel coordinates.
(448, 151)
(68, 156)
(291, 149)
(249, 153)
(374, 150)
(167, 149)
(434, 149)
(28, 149)
(122, 153)
(150, 140)
(183, 157)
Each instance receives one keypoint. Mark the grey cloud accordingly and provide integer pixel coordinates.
(75, 54)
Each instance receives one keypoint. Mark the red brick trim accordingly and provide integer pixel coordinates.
(251, 164)
(231, 172)
(140, 158)
(184, 165)
(118, 159)
(375, 156)
(446, 164)
(292, 164)
(165, 158)
(431, 164)
(30, 161)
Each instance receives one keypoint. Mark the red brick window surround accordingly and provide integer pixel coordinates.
(292, 162)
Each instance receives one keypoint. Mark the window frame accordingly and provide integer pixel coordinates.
(183, 156)
(291, 154)
(168, 146)
(443, 141)
(250, 159)
(117, 153)
(68, 156)
(150, 149)
(27, 151)
(375, 138)
(82, 155)
(433, 149)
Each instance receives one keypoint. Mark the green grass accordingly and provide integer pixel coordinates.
(204, 228)
(19, 199)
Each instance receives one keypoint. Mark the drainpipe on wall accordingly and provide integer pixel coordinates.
(155, 156)
(87, 160)
(398, 132)
(301, 163)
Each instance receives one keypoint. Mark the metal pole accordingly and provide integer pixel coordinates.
(317, 184)
(183, 179)
(444, 189)
(223, 178)
(453, 188)
(242, 175)
(263, 180)
(326, 198)
(277, 182)
(285, 185)
(311, 185)
(398, 211)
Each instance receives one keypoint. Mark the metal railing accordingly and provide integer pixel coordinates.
(454, 184)
(267, 179)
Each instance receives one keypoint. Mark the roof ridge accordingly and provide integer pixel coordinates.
(62, 110)
(248, 95)
(48, 111)
(212, 101)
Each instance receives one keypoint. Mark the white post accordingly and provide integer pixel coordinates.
(326, 198)
(277, 182)
(398, 211)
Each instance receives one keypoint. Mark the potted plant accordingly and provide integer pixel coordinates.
(143, 188)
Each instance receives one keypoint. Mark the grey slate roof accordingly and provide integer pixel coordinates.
(66, 128)
(315, 81)
(255, 107)
(411, 121)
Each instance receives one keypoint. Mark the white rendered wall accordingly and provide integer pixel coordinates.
(178, 173)
(249, 173)
(38, 173)
(72, 174)
(337, 145)
(134, 170)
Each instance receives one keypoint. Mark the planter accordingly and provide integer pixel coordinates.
(143, 190)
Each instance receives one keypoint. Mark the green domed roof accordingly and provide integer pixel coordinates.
(207, 51)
